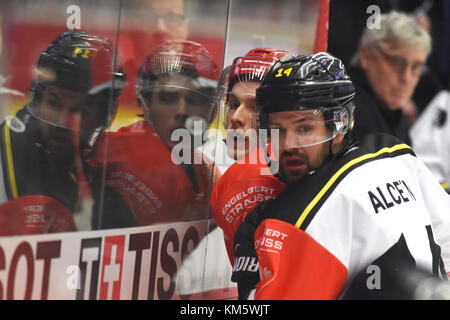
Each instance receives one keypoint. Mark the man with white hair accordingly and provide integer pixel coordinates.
(387, 67)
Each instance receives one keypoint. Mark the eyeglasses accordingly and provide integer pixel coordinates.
(171, 19)
(401, 65)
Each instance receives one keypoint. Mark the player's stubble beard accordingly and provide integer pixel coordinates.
(305, 163)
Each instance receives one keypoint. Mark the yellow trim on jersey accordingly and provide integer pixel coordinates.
(339, 172)
(9, 157)
(73, 177)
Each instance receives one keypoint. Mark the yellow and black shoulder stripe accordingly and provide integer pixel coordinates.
(299, 203)
(331, 184)
(7, 160)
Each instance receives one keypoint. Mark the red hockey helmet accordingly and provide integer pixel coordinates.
(179, 68)
(177, 56)
(251, 67)
(254, 65)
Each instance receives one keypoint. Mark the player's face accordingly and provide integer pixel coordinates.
(296, 128)
(161, 20)
(394, 72)
(170, 21)
(240, 117)
(172, 103)
(62, 113)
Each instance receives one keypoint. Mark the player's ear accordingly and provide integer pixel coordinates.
(338, 143)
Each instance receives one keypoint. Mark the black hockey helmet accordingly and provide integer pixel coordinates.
(83, 63)
(315, 82)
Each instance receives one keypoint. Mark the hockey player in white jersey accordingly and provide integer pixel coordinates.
(359, 219)
(430, 137)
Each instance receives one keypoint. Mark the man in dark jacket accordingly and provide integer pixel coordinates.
(373, 114)
(389, 63)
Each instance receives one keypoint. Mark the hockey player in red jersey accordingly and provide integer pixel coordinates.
(152, 163)
(247, 183)
(244, 76)
(351, 208)
(46, 183)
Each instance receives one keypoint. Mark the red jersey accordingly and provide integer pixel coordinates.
(140, 168)
(34, 214)
(238, 192)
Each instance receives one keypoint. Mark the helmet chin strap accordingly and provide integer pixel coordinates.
(147, 113)
(346, 143)
(273, 164)
(330, 149)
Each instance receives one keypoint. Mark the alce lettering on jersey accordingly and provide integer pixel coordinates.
(390, 194)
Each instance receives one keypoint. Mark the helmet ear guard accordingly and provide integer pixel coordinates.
(340, 121)
(345, 118)
(350, 107)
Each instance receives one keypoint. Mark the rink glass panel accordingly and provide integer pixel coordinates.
(183, 256)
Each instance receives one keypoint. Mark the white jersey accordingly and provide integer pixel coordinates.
(377, 207)
(374, 206)
(430, 136)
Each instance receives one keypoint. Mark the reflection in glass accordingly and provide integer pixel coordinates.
(67, 154)
(175, 85)
(74, 95)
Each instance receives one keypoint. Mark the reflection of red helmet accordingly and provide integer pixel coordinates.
(189, 59)
(254, 65)
(178, 56)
